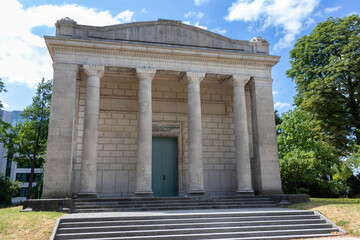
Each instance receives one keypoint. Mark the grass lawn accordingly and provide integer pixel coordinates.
(26, 225)
(344, 212)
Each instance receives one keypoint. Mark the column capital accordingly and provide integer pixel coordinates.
(238, 79)
(94, 70)
(145, 73)
(194, 76)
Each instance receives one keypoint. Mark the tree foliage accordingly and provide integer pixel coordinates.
(2, 89)
(26, 143)
(8, 190)
(307, 163)
(325, 66)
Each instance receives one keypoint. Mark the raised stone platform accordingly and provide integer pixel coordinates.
(170, 203)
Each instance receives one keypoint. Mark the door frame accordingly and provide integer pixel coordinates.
(175, 133)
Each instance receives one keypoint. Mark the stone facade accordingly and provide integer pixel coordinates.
(117, 87)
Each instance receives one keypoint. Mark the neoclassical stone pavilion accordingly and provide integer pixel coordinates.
(159, 108)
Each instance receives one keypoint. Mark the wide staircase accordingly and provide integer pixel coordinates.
(199, 224)
(168, 203)
(229, 217)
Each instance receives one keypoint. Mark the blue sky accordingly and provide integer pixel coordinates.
(24, 59)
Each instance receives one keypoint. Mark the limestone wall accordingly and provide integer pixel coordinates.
(116, 168)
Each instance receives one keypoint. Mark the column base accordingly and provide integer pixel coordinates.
(245, 193)
(196, 193)
(87, 195)
(144, 194)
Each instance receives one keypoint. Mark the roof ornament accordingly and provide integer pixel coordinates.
(66, 21)
(65, 26)
(259, 39)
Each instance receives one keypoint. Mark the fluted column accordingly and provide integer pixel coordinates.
(196, 174)
(144, 141)
(243, 169)
(90, 138)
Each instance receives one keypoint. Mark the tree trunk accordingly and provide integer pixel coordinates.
(31, 179)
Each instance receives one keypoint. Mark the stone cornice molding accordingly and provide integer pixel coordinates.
(94, 70)
(145, 73)
(65, 67)
(158, 52)
(194, 77)
(263, 79)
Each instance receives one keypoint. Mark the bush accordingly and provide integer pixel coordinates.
(8, 190)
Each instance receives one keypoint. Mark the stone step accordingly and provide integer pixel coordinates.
(206, 233)
(79, 203)
(252, 238)
(184, 199)
(209, 220)
(249, 226)
(149, 208)
(110, 204)
(202, 224)
(245, 215)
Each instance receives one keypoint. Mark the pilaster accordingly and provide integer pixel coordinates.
(59, 154)
(264, 133)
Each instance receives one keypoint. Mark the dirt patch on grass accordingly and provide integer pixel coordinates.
(26, 225)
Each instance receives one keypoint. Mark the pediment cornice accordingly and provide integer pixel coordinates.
(102, 48)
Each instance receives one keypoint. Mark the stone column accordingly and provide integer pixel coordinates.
(144, 141)
(59, 153)
(243, 169)
(90, 138)
(267, 169)
(196, 172)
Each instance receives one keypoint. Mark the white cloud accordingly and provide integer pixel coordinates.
(191, 13)
(125, 16)
(197, 24)
(143, 10)
(219, 30)
(5, 105)
(333, 9)
(280, 105)
(198, 15)
(275, 92)
(199, 2)
(24, 57)
(288, 15)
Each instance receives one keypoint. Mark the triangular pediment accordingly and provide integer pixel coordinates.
(160, 32)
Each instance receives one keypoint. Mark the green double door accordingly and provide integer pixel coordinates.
(164, 166)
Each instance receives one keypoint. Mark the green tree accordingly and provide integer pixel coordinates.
(325, 66)
(278, 120)
(8, 190)
(26, 143)
(2, 89)
(306, 162)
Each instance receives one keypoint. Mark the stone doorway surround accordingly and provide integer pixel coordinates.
(86, 57)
